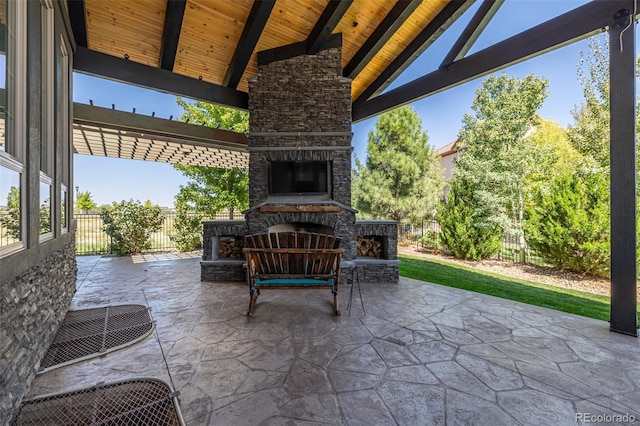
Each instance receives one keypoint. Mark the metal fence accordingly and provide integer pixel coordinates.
(426, 236)
(91, 238)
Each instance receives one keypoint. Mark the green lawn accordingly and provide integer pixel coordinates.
(560, 299)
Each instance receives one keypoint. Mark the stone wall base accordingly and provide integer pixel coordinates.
(32, 306)
(222, 270)
(378, 271)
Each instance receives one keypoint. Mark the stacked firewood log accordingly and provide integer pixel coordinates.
(369, 247)
(230, 248)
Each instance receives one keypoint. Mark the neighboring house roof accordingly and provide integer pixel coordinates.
(448, 149)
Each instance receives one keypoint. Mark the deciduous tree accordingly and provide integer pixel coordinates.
(210, 189)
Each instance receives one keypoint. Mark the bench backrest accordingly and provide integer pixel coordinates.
(295, 254)
(308, 240)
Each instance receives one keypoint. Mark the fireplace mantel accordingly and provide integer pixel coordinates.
(307, 208)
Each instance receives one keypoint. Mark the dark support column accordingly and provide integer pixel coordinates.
(624, 318)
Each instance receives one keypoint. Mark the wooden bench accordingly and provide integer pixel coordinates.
(292, 260)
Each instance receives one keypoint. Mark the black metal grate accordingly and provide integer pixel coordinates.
(88, 333)
(130, 402)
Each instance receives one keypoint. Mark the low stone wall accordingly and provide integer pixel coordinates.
(385, 269)
(32, 306)
(221, 270)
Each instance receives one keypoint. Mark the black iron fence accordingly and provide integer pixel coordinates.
(91, 238)
(427, 237)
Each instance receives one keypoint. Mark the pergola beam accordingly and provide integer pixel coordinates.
(383, 33)
(158, 127)
(622, 65)
(107, 66)
(258, 17)
(572, 26)
(451, 12)
(327, 22)
(171, 33)
(472, 31)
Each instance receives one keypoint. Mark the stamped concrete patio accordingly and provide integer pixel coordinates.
(421, 355)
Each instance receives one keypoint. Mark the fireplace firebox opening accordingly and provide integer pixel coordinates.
(302, 227)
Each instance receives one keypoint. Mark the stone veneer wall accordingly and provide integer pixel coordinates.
(32, 307)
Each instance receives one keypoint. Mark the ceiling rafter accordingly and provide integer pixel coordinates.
(572, 26)
(449, 14)
(327, 22)
(171, 33)
(107, 66)
(383, 33)
(472, 31)
(78, 21)
(258, 17)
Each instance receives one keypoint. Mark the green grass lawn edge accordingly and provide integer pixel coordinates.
(532, 293)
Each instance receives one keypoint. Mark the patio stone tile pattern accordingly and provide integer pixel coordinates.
(422, 353)
(87, 333)
(132, 402)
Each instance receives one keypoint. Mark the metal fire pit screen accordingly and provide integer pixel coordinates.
(131, 402)
(88, 333)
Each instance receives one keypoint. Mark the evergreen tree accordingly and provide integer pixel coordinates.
(402, 179)
(466, 229)
(569, 226)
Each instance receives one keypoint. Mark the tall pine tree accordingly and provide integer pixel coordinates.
(402, 179)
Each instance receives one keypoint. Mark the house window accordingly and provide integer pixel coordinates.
(62, 114)
(13, 37)
(47, 133)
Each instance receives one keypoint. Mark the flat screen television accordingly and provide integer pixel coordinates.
(299, 177)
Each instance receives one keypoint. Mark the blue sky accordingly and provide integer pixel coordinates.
(111, 180)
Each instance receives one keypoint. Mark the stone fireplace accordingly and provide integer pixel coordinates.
(300, 162)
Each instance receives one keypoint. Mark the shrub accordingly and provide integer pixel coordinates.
(430, 240)
(130, 225)
(188, 234)
(466, 230)
(569, 225)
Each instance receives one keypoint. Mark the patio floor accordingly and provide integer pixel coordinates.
(422, 354)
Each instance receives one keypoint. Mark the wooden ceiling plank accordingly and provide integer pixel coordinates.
(258, 17)
(472, 31)
(451, 12)
(171, 33)
(107, 66)
(577, 24)
(78, 21)
(327, 22)
(387, 28)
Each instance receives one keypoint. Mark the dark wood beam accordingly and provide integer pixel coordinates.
(387, 28)
(171, 33)
(101, 65)
(622, 62)
(292, 50)
(451, 12)
(327, 22)
(472, 31)
(78, 21)
(258, 17)
(572, 26)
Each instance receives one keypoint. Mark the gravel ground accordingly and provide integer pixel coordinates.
(539, 274)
